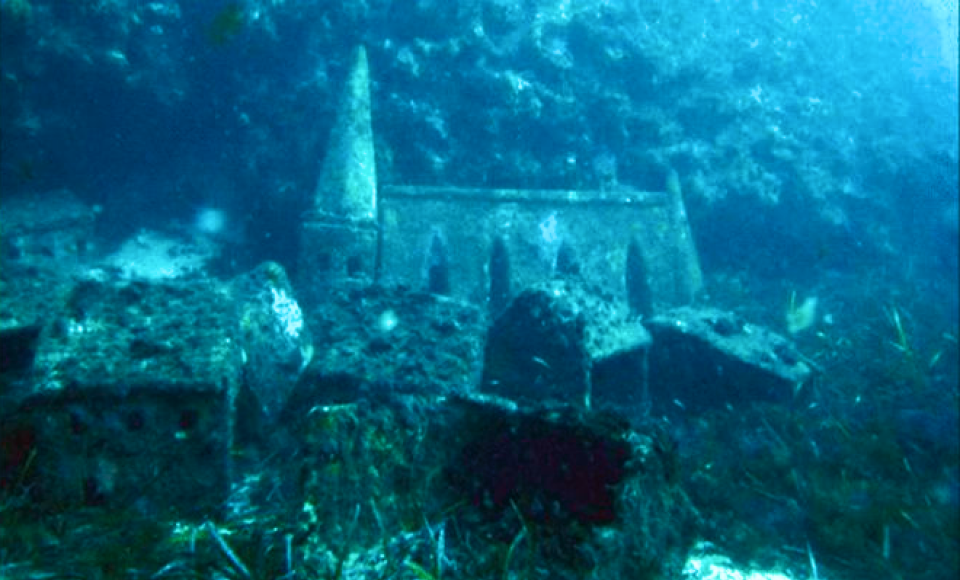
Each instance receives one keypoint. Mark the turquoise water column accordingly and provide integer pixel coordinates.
(338, 242)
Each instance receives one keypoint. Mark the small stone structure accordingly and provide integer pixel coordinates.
(132, 399)
(391, 339)
(42, 238)
(138, 392)
(708, 358)
(553, 338)
(339, 232)
(485, 245)
(51, 226)
(558, 341)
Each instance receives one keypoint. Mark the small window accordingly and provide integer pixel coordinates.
(134, 420)
(189, 418)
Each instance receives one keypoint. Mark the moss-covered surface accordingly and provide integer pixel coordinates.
(397, 488)
(865, 477)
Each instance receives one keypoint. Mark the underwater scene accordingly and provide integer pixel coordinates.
(479, 290)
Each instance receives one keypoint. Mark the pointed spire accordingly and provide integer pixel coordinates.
(348, 180)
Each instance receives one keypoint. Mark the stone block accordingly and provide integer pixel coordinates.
(551, 339)
(49, 226)
(379, 338)
(132, 398)
(43, 239)
(708, 358)
(277, 344)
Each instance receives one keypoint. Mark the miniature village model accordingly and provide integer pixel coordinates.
(448, 368)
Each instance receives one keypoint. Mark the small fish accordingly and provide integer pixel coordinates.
(226, 25)
(541, 362)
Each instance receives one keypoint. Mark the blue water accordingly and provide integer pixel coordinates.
(816, 144)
